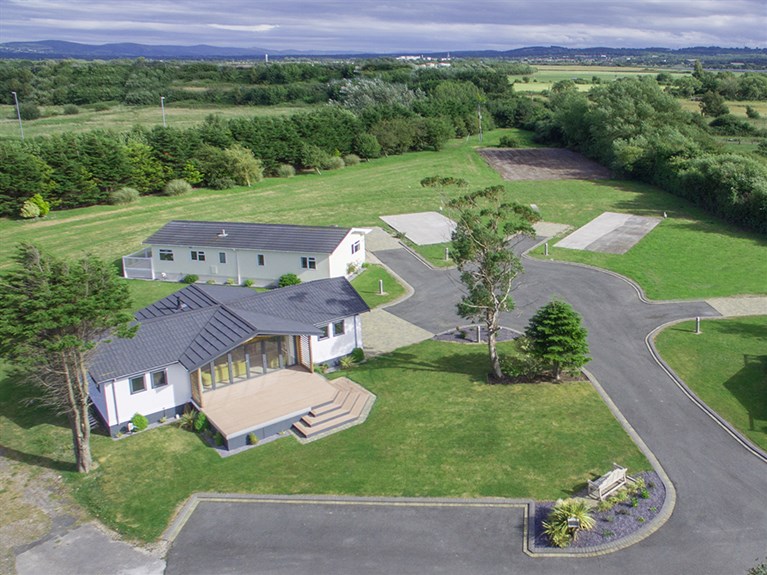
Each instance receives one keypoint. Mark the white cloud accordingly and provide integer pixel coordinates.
(236, 28)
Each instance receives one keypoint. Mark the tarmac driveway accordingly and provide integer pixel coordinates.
(719, 525)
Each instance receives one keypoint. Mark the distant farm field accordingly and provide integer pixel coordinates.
(122, 118)
(546, 76)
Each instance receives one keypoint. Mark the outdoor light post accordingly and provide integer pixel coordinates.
(162, 105)
(18, 113)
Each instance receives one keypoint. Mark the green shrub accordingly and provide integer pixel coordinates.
(332, 163)
(29, 210)
(100, 107)
(248, 283)
(123, 196)
(508, 142)
(189, 279)
(285, 171)
(140, 423)
(321, 368)
(177, 187)
(351, 159)
(523, 365)
(752, 113)
(346, 362)
(221, 183)
(288, 280)
(218, 439)
(71, 110)
(186, 421)
(29, 111)
(229, 281)
(210, 282)
(358, 354)
(200, 422)
(555, 526)
(252, 439)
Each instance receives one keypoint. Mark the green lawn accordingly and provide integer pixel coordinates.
(726, 366)
(436, 430)
(546, 76)
(674, 261)
(689, 255)
(367, 286)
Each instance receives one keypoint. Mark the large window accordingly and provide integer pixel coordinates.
(222, 257)
(137, 384)
(326, 332)
(339, 328)
(260, 259)
(198, 256)
(159, 379)
(166, 255)
(308, 263)
(356, 247)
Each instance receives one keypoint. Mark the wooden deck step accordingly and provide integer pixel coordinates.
(351, 412)
(340, 410)
(338, 400)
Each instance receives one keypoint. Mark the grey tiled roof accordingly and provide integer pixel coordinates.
(201, 322)
(241, 235)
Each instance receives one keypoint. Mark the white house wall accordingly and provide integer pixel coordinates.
(333, 347)
(240, 265)
(150, 401)
(343, 256)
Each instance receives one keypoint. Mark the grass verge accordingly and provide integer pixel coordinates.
(436, 430)
(367, 285)
(726, 366)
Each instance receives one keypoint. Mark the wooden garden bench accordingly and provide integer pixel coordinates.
(608, 483)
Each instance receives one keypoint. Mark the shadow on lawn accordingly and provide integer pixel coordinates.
(15, 398)
(475, 364)
(38, 460)
(749, 387)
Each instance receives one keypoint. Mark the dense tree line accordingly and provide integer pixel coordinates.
(641, 132)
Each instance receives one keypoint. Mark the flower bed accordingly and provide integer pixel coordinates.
(624, 519)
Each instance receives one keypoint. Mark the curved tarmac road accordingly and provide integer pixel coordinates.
(719, 524)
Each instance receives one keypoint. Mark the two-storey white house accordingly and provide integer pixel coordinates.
(246, 359)
(235, 252)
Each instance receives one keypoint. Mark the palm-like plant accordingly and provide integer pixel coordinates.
(556, 525)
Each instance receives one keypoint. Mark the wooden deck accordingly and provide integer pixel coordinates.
(258, 402)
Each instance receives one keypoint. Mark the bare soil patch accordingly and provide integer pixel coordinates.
(542, 164)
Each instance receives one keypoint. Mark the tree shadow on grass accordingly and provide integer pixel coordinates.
(15, 398)
(474, 364)
(749, 387)
(38, 460)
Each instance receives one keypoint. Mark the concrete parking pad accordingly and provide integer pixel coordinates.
(609, 233)
(739, 306)
(422, 228)
(87, 550)
(549, 229)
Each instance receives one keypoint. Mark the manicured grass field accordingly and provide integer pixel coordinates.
(437, 429)
(726, 366)
(675, 261)
(121, 118)
(367, 285)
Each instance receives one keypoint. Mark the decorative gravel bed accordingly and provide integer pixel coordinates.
(468, 334)
(622, 520)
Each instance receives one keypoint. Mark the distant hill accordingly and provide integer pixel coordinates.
(711, 55)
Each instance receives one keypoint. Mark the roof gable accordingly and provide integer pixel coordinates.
(253, 236)
(201, 322)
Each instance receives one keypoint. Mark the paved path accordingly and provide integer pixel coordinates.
(719, 525)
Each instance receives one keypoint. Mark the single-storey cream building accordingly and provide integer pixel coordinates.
(236, 252)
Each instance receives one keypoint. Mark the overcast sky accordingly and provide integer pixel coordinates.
(390, 26)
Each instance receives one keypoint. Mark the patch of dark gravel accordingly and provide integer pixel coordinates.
(468, 334)
(621, 521)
